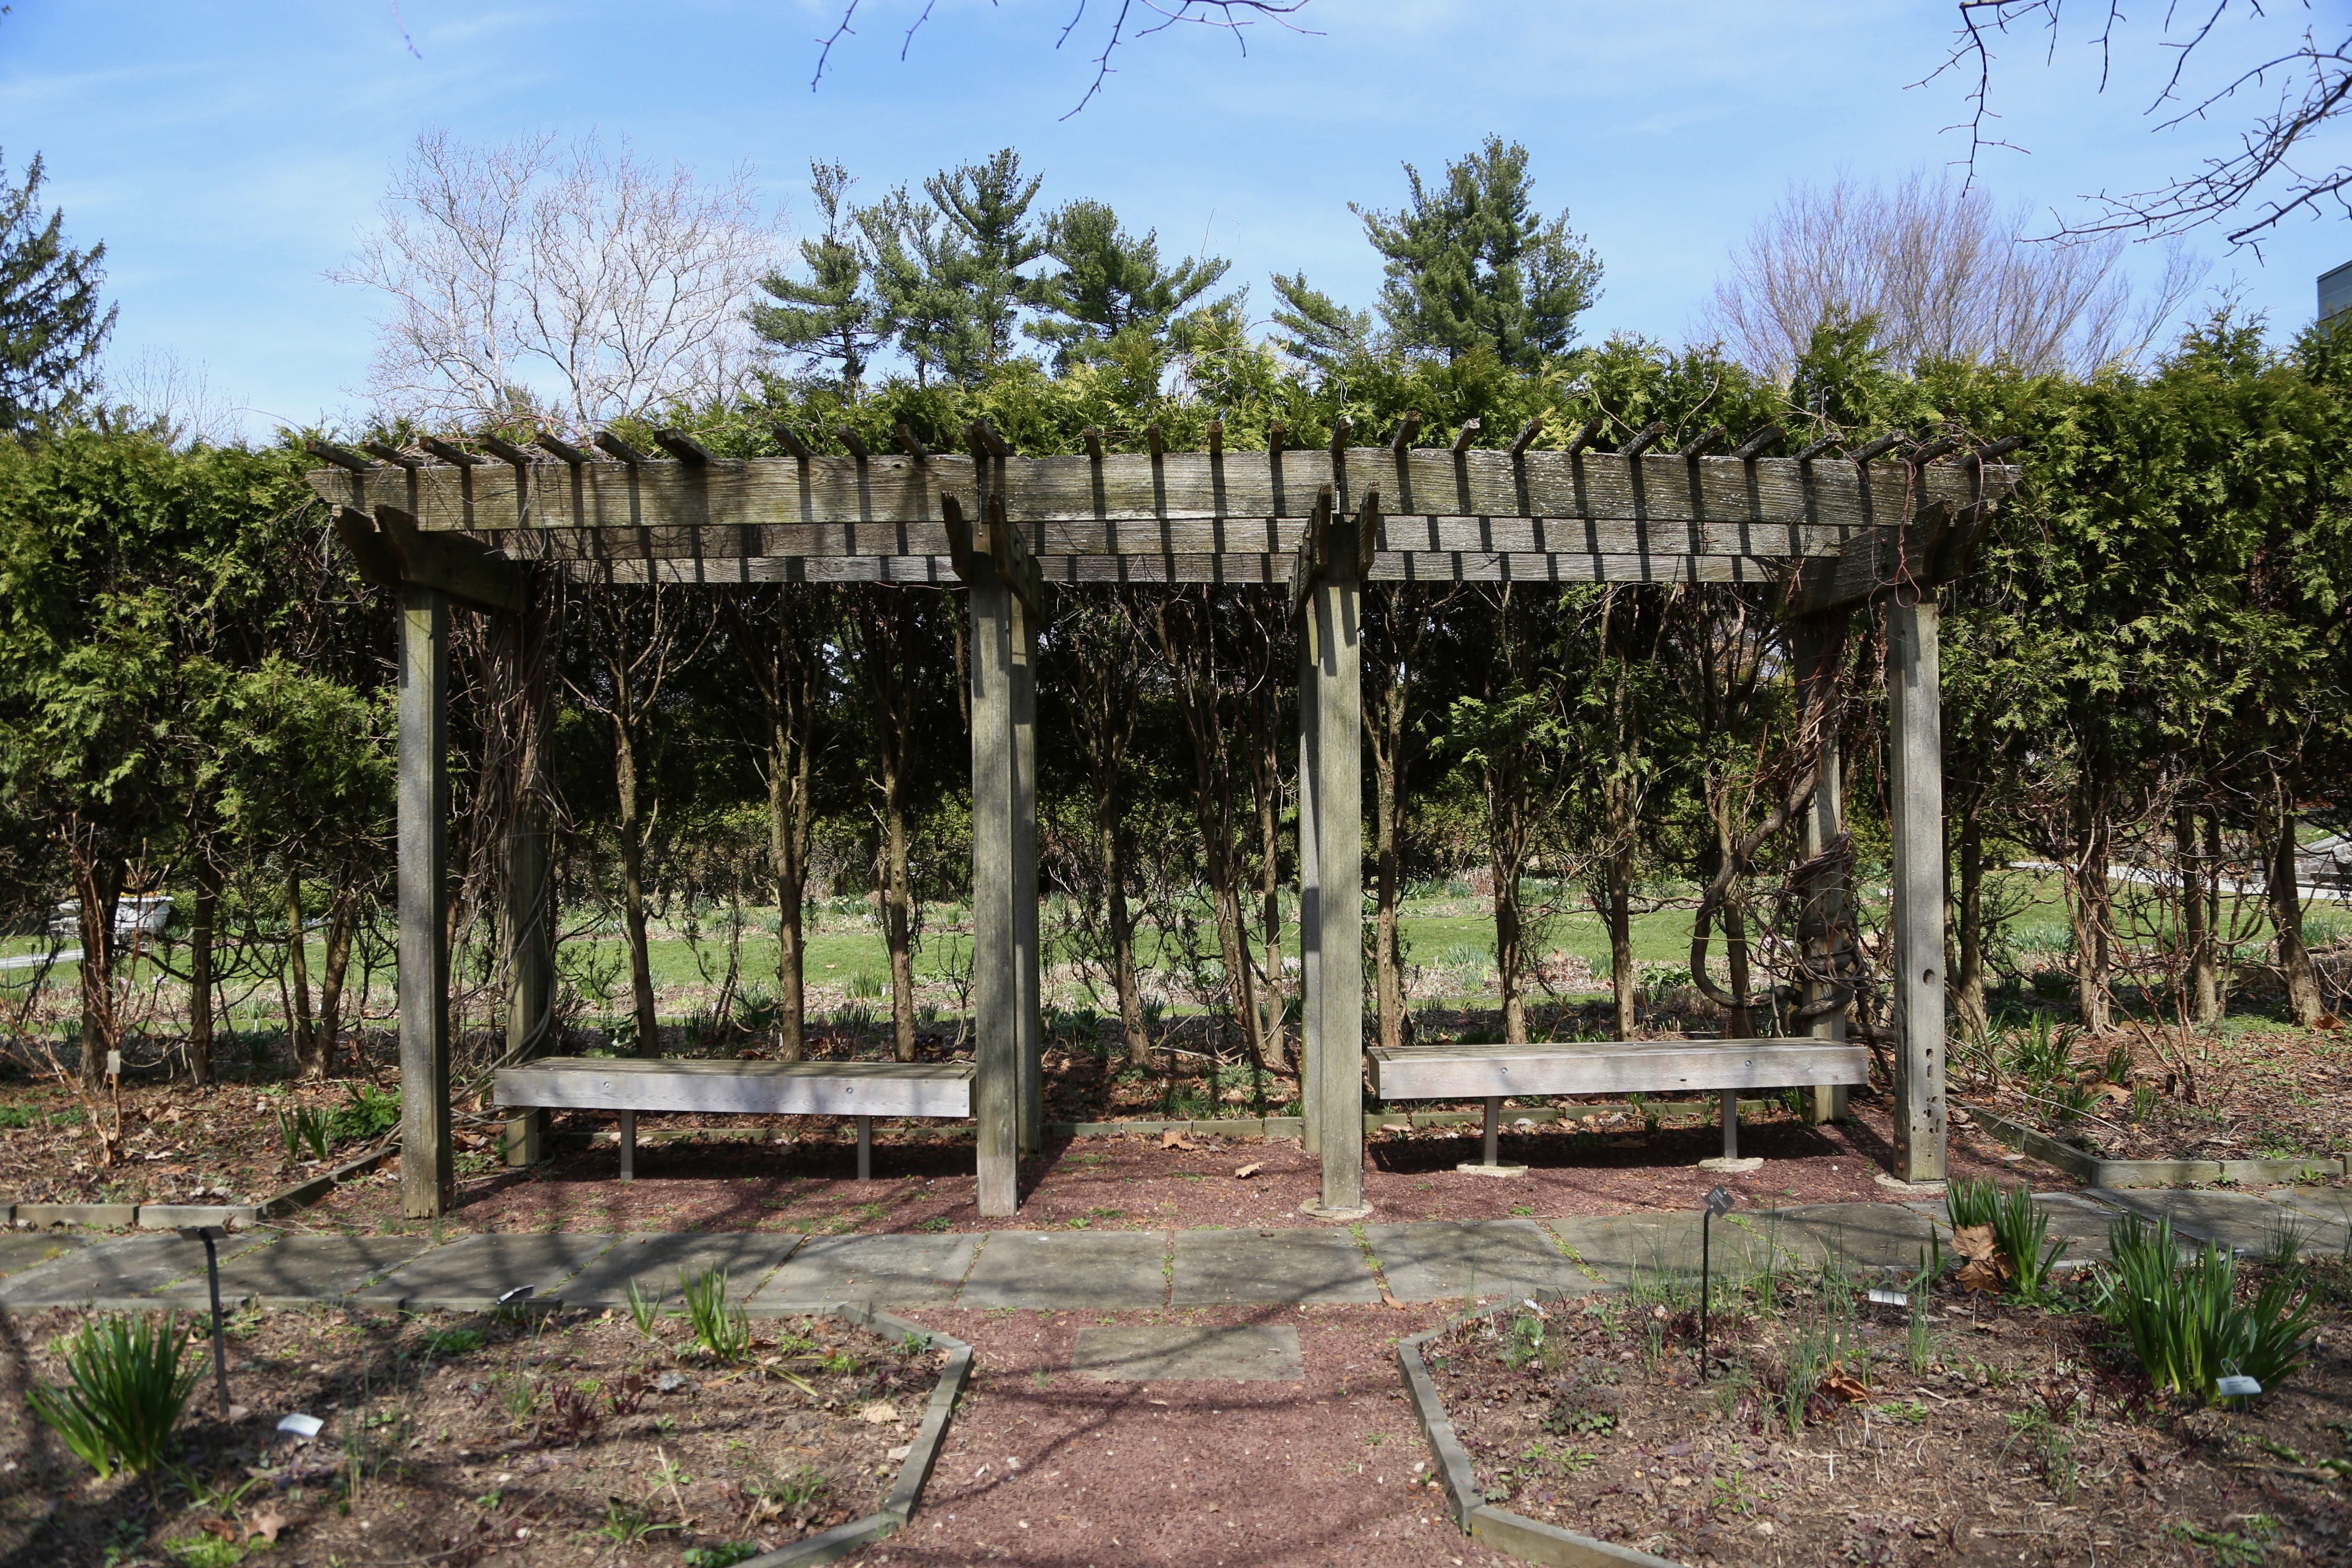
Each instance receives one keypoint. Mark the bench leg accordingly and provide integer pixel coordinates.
(628, 1145)
(1731, 1124)
(1494, 1128)
(865, 1148)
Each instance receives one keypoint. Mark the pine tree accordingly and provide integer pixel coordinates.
(836, 318)
(987, 206)
(51, 329)
(1471, 262)
(1112, 282)
(1323, 333)
(928, 282)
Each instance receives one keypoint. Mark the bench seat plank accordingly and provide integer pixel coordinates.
(1612, 1067)
(796, 1089)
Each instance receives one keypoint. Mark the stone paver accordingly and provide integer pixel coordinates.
(2242, 1221)
(469, 1275)
(1250, 1353)
(118, 1274)
(1075, 1269)
(18, 1253)
(886, 1271)
(1491, 1258)
(1622, 1250)
(298, 1269)
(1888, 1237)
(2329, 1206)
(1214, 1267)
(657, 1262)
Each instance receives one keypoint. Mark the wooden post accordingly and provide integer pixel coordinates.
(1334, 622)
(1029, 1017)
(426, 1167)
(995, 993)
(1916, 788)
(1820, 648)
(1310, 943)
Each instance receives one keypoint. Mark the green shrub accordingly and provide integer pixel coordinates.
(371, 1113)
(130, 1379)
(447, 1342)
(2188, 1329)
(305, 1127)
(721, 1328)
(725, 1554)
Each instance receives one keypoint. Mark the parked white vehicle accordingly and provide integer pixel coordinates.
(134, 915)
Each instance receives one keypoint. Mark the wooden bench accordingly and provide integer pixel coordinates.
(631, 1084)
(1491, 1073)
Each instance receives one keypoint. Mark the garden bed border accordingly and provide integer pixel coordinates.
(172, 1217)
(2094, 1172)
(905, 1494)
(1498, 1528)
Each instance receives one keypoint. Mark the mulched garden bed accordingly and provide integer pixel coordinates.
(2152, 1093)
(2013, 1433)
(465, 1439)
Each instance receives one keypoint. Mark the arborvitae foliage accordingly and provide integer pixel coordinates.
(1472, 263)
(51, 328)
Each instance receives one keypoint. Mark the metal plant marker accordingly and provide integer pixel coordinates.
(208, 1234)
(1719, 1201)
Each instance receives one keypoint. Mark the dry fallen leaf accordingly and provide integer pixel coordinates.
(877, 1414)
(1388, 1301)
(1974, 1242)
(1845, 1386)
(267, 1526)
(1979, 1274)
(1246, 1172)
(1174, 1138)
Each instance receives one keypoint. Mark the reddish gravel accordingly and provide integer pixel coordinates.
(1210, 1475)
(1135, 1184)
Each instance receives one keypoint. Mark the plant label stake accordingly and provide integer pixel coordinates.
(1718, 1202)
(208, 1234)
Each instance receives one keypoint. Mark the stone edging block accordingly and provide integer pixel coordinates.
(907, 1493)
(1499, 1528)
(2092, 1170)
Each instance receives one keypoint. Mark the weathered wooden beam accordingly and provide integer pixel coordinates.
(1028, 1013)
(427, 1161)
(1526, 438)
(1313, 552)
(911, 445)
(858, 451)
(1153, 442)
(371, 551)
(1756, 445)
(1334, 630)
(1586, 433)
(468, 570)
(1698, 445)
(1274, 437)
(1217, 438)
(1261, 571)
(1644, 439)
(507, 451)
(615, 447)
(1338, 447)
(1402, 442)
(1916, 822)
(1093, 438)
(579, 457)
(1869, 449)
(1464, 437)
(681, 446)
(995, 990)
(782, 491)
(393, 454)
(1821, 448)
(1871, 564)
(449, 453)
(790, 440)
(350, 461)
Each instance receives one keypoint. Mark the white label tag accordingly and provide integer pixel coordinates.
(301, 1425)
(1891, 1298)
(2236, 1388)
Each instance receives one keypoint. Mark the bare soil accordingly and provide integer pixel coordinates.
(2027, 1436)
(2152, 1093)
(471, 1437)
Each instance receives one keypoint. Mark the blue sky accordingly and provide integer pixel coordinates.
(229, 155)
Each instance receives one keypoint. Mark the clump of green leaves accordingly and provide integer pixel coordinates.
(304, 1126)
(371, 1113)
(2188, 1329)
(129, 1380)
(645, 1308)
(445, 1342)
(2021, 1230)
(721, 1328)
(724, 1554)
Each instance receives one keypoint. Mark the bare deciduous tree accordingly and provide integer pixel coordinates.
(2303, 79)
(1949, 275)
(575, 284)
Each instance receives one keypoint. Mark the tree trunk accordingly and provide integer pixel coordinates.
(2303, 994)
(1388, 954)
(342, 925)
(2212, 980)
(297, 967)
(1968, 924)
(99, 881)
(1265, 783)
(1739, 1020)
(1111, 866)
(899, 909)
(2089, 908)
(633, 891)
(2198, 999)
(1620, 912)
(202, 922)
(1503, 864)
(789, 827)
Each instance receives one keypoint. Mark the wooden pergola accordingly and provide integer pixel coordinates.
(1831, 532)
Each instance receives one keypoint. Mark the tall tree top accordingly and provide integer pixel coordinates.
(51, 328)
(1471, 262)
